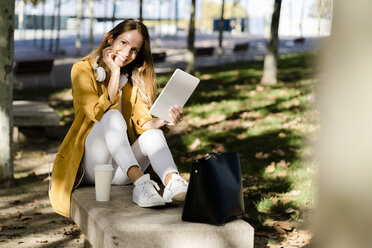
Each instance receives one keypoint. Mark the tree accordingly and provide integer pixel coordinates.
(271, 58)
(91, 18)
(78, 27)
(221, 28)
(321, 9)
(6, 88)
(58, 26)
(190, 56)
(140, 10)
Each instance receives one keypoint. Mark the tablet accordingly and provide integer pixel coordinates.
(177, 91)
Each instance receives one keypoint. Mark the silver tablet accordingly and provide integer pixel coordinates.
(177, 91)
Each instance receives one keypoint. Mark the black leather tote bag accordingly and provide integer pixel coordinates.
(215, 193)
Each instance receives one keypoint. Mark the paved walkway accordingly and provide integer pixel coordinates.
(175, 48)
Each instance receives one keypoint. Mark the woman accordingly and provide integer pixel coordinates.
(129, 138)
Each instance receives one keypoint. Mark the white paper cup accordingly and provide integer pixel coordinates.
(103, 178)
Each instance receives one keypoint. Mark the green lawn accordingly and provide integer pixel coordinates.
(272, 128)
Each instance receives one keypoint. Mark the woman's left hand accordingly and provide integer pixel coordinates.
(176, 115)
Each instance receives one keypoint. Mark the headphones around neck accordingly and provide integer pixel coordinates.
(101, 73)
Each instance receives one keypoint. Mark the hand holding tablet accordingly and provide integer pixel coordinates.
(176, 93)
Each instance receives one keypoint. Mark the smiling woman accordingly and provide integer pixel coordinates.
(113, 89)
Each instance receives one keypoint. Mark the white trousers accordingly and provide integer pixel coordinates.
(108, 142)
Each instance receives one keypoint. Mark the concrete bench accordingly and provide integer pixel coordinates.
(33, 66)
(241, 48)
(203, 51)
(121, 223)
(159, 57)
(33, 72)
(34, 113)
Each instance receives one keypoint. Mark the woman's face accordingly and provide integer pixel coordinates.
(126, 47)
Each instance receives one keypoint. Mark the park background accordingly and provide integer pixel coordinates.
(274, 126)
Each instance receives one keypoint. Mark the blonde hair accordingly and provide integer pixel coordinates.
(141, 70)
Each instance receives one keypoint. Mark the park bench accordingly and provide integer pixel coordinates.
(33, 66)
(241, 48)
(33, 114)
(121, 223)
(33, 72)
(159, 57)
(203, 51)
(299, 41)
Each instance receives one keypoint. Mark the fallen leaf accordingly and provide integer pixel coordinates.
(286, 225)
(279, 152)
(281, 174)
(287, 200)
(279, 229)
(195, 144)
(259, 88)
(282, 135)
(274, 200)
(284, 164)
(261, 155)
(271, 168)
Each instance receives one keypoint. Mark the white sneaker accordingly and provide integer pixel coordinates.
(144, 193)
(176, 189)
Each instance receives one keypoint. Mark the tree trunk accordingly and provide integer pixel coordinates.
(6, 88)
(140, 10)
(176, 16)
(43, 27)
(58, 26)
(78, 27)
(190, 56)
(21, 10)
(221, 28)
(91, 18)
(271, 58)
(52, 30)
(113, 13)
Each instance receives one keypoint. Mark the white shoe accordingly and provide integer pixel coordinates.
(176, 189)
(144, 193)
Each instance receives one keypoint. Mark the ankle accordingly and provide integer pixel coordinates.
(134, 173)
(168, 177)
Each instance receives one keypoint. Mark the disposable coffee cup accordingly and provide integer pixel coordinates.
(102, 178)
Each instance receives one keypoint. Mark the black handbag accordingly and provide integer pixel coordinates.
(215, 193)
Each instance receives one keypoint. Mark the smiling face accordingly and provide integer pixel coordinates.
(126, 47)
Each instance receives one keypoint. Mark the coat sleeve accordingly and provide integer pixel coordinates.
(85, 92)
(140, 115)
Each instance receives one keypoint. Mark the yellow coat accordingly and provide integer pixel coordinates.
(90, 103)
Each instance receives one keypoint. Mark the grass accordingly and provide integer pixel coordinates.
(271, 127)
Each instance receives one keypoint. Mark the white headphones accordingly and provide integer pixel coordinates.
(101, 73)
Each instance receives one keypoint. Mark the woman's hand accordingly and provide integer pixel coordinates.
(176, 115)
(108, 58)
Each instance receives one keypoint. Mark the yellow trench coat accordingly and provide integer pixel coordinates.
(90, 103)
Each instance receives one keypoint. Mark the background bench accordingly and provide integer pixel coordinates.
(121, 223)
(159, 57)
(241, 48)
(203, 51)
(33, 66)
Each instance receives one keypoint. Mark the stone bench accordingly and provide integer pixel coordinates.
(33, 114)
(121, 223)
